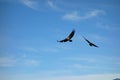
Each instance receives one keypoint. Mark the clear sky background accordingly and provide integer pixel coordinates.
(29, 30)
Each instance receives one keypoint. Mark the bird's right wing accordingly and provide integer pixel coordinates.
(64, 40)
(86, 40)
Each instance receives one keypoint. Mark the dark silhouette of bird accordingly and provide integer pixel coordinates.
(90, 43)
(69, 37)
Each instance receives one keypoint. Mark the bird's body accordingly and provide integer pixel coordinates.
(69, 37)
(90, 43)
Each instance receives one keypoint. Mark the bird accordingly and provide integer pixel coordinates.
(90, 43)
(68, 38)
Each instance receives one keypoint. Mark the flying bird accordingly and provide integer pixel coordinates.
(69, 37)
(90, 43)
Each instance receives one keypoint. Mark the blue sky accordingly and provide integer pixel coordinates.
(29, 30)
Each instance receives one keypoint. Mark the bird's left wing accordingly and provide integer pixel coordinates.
(71, 34)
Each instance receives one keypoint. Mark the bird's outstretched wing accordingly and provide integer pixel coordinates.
(87, 40)
(69, 37)
(64, 40)
(90, 43)
(94, 45)
(71, 34)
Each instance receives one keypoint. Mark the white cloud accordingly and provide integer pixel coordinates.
(81, 67)
(91, 60)
(31, 62)
(114, 60)
(52, 5)
(50, 50)
(72, 16)
(24, 56)
(56, 72)
(108, 62)
(87, 77)
(31, 4)
(81, 77)
(97, 38)
(31, 49)
(94, 13)
(12, 62)
(93, 67)
(108, 27)
(7, 62)
(77, 16)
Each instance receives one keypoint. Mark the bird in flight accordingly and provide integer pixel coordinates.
(90, 43)
(69, 37)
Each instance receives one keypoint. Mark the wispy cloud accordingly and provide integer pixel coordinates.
(31, 4)
(97, 37)
(13, 62)
(76, 16)
(83, 67)
(72, 16)
(52, 5)
(113, 63)
(108, 26)
(114, 60)
(81, 77)
(24, 56)
(88, 77)
(7, 62)
(94, 13)
(31, 62)
(50, 50)
(31, 49)
(91, 60)
(56, 72)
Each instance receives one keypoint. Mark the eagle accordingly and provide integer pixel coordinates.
(69, 37)
(90, 43)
